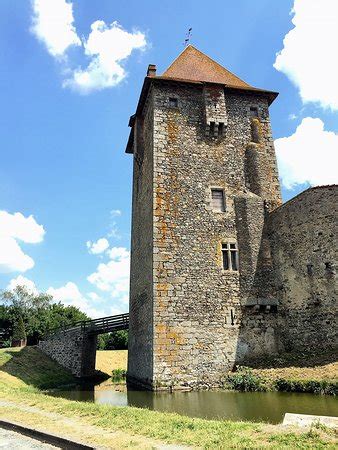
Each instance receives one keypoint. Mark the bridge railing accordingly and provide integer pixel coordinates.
(95, 326)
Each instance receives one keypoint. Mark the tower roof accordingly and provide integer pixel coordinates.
(194, 65)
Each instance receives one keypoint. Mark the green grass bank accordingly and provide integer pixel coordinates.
(25, 373)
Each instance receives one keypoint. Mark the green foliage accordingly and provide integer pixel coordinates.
(118, 340)
(119, 374)
(245, 380)
(38, 311)
(309, 386)
(19, 332)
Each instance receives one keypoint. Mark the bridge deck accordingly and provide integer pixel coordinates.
(96, 326)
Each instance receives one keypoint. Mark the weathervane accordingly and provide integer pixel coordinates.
(187, 37)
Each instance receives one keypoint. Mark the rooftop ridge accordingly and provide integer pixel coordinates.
(192, 64)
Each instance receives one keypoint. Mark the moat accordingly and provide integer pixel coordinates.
(267, 407)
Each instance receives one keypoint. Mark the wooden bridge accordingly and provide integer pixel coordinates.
(74, 346)
(95, 326)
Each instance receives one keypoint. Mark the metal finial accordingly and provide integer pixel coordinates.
(187, 37)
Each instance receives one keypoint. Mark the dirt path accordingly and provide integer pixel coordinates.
(78, 430)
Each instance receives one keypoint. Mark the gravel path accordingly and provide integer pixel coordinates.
(10, 440)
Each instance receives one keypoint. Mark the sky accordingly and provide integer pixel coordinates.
(71, 74)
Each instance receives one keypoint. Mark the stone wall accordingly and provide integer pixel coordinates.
(186, 311)
(73, 350)
(303, 236)
(140, 344)
(191, 320)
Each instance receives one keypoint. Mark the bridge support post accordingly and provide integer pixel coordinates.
(88, 357)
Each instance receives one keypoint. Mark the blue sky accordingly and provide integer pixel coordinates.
(68, 89)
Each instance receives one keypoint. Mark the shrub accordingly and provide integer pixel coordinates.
(309, 386)
(245, 380)
(119, 374)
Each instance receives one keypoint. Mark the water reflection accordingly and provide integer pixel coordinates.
(254, 406)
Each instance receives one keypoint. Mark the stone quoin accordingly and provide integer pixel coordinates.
(221, 271)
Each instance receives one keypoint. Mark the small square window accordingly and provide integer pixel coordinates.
(173, 102)
(253, 111)
(217, 200)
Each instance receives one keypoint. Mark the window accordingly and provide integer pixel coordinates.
(221, 129)
(217, 200)
(232, 316)
(230, 256)
(173, 102)
(310, 269)
(253, 111)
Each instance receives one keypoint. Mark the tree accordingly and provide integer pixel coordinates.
(117, 340)
(39, 313)
(19, 332)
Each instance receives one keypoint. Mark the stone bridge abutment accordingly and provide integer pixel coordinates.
(74, 347)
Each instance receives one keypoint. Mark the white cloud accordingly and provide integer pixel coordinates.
(93, 296)
(107, 46)
(115, 212)
(23, 281)
(309, 57)
(97, 247)
(310, 155)
(113, 277)
(53, 24)
(16, 227)
(69, 294)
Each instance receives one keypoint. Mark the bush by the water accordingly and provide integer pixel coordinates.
(119, 374)
(309, 386)
(245, 380)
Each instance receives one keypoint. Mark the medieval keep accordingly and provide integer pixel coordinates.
(221, 271)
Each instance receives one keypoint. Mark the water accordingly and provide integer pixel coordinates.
(253, 406)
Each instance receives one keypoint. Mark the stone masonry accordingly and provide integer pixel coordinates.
(191, 318)
(72, 349)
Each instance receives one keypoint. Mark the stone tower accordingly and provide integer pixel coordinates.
(205, 179)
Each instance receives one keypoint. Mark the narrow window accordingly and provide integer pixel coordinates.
(217, 200)
(253, 111)
(225, 254)
(232, 317)
(234, 257)
(212, 128)
(221, 129)
(230, 256)
(173, 102)
(310, 269)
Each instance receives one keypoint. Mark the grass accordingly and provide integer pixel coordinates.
(309, 367)
(29, 366)
(314, 373)
(247, 379)
(108, 360)
(133, 427)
